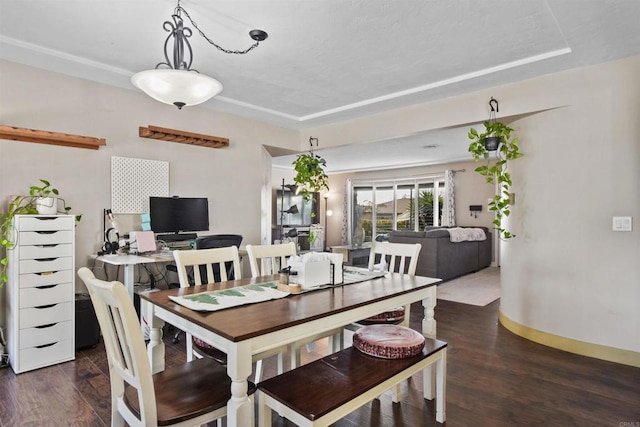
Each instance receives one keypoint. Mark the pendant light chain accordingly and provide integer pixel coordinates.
(236, 52)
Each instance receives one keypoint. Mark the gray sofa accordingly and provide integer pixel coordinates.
(439, 257)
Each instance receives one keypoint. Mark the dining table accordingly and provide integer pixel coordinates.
(245, 330)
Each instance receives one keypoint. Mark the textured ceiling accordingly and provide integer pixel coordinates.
(326, 60)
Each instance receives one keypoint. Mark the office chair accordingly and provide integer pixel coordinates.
(210, 242)
(218, 241)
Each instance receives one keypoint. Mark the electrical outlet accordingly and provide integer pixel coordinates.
(622, 223)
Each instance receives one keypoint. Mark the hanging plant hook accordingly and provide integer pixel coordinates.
(492, 113)
(497, 109)
(311, 141)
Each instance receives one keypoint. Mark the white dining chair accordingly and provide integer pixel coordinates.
(269, 259)
(394, 258)
(190, 264)
(191, 394)
(266, 260)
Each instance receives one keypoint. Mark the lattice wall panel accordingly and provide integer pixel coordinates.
(133, 181)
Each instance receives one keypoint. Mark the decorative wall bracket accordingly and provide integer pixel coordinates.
(51, 138)
(172, 135)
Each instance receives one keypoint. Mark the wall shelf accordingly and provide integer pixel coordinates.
(50, 138)
(172, 135)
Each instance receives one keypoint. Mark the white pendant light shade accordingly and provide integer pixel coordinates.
(177, 87)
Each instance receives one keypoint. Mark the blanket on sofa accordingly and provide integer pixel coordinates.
(458, 234)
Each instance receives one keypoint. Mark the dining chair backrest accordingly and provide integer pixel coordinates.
(125, 348)
(195, 261)
(268, 259)
(397, 257)
(219, 241)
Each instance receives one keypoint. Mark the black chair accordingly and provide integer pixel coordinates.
(218, 241)
(210, 242)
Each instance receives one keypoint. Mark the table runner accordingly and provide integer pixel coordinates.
(232, 297)
(355, 275)
(259, 292)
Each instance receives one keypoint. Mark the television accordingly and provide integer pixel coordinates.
(179, 214)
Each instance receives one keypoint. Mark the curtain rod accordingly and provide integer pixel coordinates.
(407, 178)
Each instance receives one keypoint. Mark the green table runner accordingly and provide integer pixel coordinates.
(233, 297)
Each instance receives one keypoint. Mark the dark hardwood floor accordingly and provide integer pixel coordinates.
(494, 379)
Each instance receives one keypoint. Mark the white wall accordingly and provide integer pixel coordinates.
(568, 273)
(232, 178)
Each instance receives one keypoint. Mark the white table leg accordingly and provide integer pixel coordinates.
(429, 330)
(441, 390)
(155, 348)
(239, 407)
(129, 271)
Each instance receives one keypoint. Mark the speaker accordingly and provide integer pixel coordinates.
(87, 327)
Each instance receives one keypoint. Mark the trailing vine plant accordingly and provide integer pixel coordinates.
(23, 205)
(496, 172)
(310, 174)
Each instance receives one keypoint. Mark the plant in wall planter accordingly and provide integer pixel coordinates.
(496, 137)
(42, 200)
(310, 174)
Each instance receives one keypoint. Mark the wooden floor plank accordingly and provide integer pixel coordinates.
(495, 379)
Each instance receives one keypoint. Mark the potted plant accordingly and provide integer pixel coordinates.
(496, 137)
(310, 174)
(39, 201)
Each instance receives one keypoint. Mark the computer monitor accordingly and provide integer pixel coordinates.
(179, 214)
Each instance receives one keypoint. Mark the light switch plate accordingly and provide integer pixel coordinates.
(622, 223)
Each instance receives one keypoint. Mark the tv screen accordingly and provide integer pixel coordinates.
(178, 214)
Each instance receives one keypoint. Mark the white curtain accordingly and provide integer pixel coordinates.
(345, 212)
(449, 210)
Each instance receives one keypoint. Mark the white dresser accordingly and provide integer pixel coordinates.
(41, 292)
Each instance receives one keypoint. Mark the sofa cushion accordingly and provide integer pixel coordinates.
(408, 233)
(438, 232)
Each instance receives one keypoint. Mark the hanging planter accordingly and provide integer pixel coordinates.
(491, 143)
(310, 174)
(496, 138)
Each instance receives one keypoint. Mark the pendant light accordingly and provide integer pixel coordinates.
(174, 81)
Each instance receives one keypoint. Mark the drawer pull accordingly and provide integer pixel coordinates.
(50, 245)
(45, 218)
(46, 286)
(46, 232)
(45, 259)
(46, 273)
(46, 345)
(46, 326)
(45, 306)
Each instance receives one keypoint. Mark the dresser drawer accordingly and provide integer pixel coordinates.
(31, 317)
(47, 334)
(44, 223)
(44, 237)
(46, 265)
(46, 251)
(32, 280)
(52, 294)
(37, 357)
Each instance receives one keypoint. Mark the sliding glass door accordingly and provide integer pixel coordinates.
(378, 207)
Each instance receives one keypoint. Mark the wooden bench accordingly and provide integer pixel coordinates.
(321, 392)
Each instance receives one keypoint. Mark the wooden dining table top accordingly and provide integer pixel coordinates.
(251, 320)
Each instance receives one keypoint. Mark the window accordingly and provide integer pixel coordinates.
(378, 207)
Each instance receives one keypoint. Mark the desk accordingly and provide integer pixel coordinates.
(246, 330)
(129, 262)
